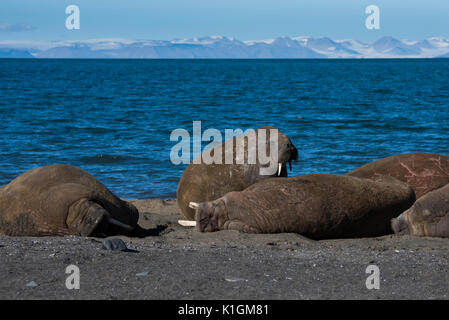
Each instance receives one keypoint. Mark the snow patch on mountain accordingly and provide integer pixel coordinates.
(228, 47)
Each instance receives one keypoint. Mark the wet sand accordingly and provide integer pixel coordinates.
(180, 263)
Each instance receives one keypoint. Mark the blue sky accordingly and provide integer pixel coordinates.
(244, 19)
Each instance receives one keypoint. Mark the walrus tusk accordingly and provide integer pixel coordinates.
(187, 223)
(279, 169)
(193, 205)
(120, 224)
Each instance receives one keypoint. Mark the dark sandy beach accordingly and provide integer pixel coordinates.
(181, 263)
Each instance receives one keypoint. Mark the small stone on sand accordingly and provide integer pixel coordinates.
(115, 244)
(32, 284)
(234, 279)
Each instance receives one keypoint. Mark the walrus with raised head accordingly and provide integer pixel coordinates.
(318, 206)
(62, 200)
(204, 182)
(429, 216)
(424, 172)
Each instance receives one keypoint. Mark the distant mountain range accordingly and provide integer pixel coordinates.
(224, 47)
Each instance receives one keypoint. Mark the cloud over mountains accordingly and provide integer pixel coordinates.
(224, 47)
(18, 27)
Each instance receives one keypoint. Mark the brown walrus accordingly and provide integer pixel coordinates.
(429, 216)
(62, 200)
(318, 206)
(424, 172)
(206, 182)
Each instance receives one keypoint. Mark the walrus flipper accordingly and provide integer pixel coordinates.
(239, 226)
(87, 218)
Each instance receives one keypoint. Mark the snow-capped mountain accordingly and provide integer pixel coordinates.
(14, 53)
(328, 47)
(225, 47)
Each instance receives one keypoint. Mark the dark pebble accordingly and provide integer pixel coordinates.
(115, 244)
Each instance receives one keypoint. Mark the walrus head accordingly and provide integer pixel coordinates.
(213, 216)
(287, 152)
(210, 216)
(400, 224)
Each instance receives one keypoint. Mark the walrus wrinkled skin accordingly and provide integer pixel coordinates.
(424, 172)
(62, 200)
(428, 217)
(318, 206)
(206, 182)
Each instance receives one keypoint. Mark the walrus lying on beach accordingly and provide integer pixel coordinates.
(318, 206)
(429, 216)
(424, 172)
(62, 200)
(204, 182)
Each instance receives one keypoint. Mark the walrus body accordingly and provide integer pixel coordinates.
(62, 200)
(424, 172)
(429, 216)
(318, 206)
(206, 182)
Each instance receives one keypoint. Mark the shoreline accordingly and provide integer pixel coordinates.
(181, 263)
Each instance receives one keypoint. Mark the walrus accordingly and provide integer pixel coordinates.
(424, 172)
(62, 200)
(429, 216)
(317, 206)
(204, 182)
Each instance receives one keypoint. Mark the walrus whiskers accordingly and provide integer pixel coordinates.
(120, 224)
(187, 223)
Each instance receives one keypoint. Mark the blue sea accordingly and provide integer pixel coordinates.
(113, 118)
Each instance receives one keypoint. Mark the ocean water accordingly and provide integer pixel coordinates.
(113, 118)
